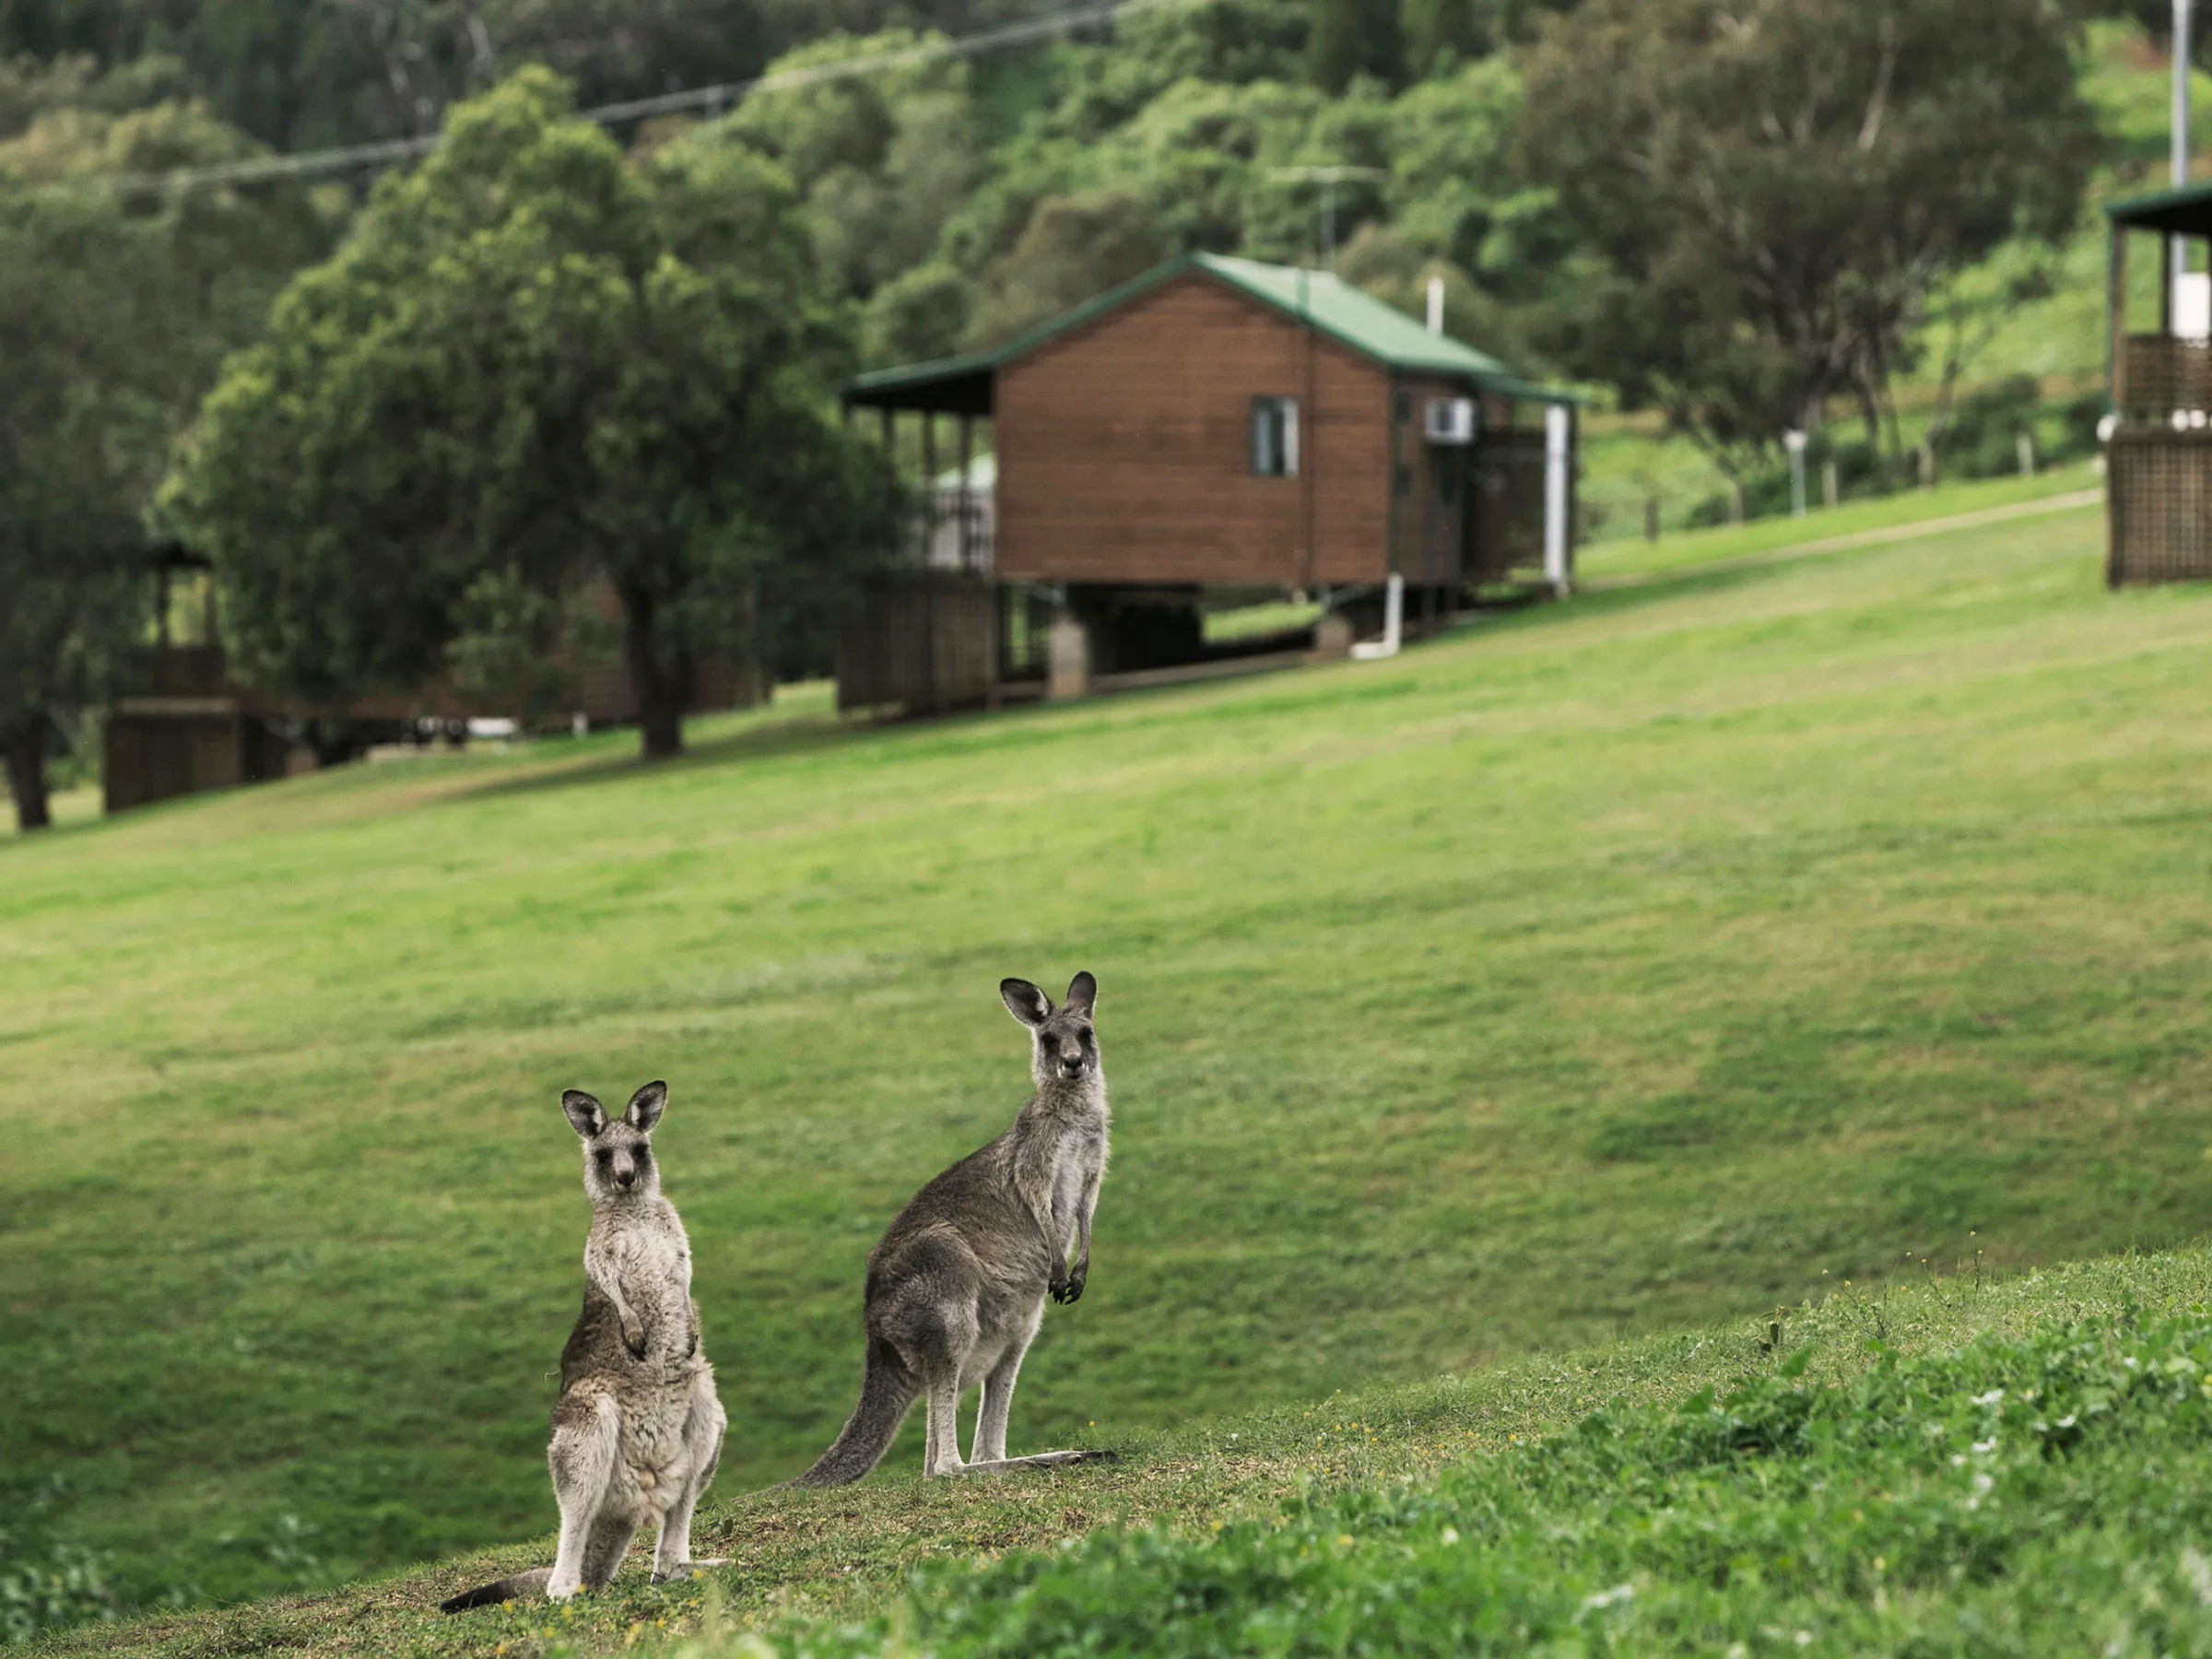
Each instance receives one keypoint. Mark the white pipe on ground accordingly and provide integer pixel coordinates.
(1394, 623)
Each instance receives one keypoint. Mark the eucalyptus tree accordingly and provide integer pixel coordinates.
(1774, 188)
(114, 312)
(538, 359)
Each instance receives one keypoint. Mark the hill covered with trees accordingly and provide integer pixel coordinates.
(1737, 219)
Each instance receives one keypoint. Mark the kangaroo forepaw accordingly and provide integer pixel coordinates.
(1067, 1290)
(633, 1338)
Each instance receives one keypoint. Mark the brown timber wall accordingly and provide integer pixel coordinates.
(923, 639)
(2159, 499)
(1125, 450)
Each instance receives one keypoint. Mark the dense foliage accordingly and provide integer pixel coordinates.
(2046, 1494)
(536, 364)
(1774, 190)
(112, 315)
(1863, 154)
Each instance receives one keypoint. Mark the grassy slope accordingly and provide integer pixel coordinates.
(1282, 1531)
(1689, 551)
(1609, 967)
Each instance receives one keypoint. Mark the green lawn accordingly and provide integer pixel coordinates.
(1689, 550)
(1959, 1463)
(1607, 967)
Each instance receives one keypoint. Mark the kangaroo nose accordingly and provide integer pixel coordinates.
(625, 1177)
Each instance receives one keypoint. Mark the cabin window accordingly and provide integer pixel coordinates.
(1275, 436)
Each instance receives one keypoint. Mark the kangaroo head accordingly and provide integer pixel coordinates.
(618, 1152)
(1063, 1048)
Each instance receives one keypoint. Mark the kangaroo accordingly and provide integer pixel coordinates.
(637, 1429)
(957, 1288)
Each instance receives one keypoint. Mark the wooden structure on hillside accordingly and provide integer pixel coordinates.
(181, 727)
(181, 724)
(1216, 425)
(2159, 452)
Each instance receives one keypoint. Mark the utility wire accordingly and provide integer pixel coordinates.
(383, 152)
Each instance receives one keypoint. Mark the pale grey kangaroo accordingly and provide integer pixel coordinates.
(956, 1288)
(638, 1430)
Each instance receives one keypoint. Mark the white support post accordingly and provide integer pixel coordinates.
(2179, 245)
(1393, 625)
(2180, 136)
(1436, 305)
(1559, 462)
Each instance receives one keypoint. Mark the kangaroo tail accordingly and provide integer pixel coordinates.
(886, 1391)
(529, 1584)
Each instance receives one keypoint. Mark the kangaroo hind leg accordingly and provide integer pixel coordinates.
(702, 1445)
(604, 1550)
(992, 1410)
(936, 1343)
(991, 1417)
(587, 1439)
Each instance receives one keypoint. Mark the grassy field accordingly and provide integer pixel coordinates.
(1946, 1464)
(1607, 967)
(1693, 549)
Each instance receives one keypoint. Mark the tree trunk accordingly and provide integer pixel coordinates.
(25, 741)
(658, 684)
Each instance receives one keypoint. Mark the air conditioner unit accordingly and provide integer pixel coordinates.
(1451, 420)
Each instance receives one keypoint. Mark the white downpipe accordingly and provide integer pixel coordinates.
(1557, 458)
(1393, 625)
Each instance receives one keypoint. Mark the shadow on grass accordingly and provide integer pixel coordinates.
(821, 732)
(1693, 584)
(770, 739)
(818, 731)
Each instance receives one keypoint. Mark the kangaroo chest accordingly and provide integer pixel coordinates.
(654, 1271)
(644, 1263)
(1056, 1169)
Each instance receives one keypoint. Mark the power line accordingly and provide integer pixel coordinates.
(383, 152)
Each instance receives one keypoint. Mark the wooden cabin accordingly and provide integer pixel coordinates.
(1216, 426)
(2159, 451)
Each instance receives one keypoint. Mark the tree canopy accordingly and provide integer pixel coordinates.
(1736, 210)
(1772, 187)
(540, 360)
(112, 316)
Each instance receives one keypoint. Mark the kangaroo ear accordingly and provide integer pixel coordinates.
(646, 1106)
(1082, 994)
(1024, 1002)
(585, 1115)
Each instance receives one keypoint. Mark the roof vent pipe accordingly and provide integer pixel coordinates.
(1436, 305)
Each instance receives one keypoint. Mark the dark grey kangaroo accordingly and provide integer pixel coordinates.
(956, 1288)
(637, 1429)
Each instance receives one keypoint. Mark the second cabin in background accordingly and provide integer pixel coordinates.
(1213, 433)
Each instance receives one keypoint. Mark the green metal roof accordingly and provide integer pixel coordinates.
(2186, 208)
(1337, 309)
